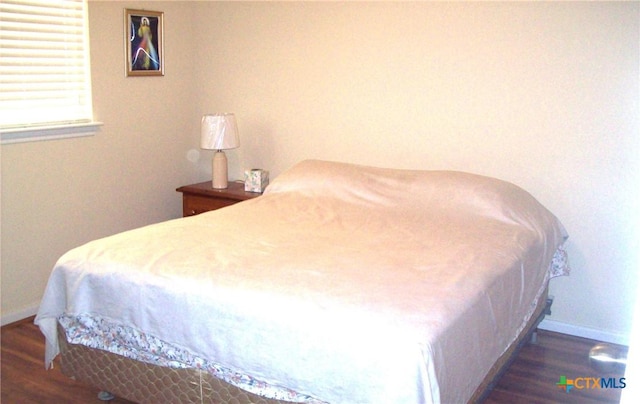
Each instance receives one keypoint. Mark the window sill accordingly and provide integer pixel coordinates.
(35, 134)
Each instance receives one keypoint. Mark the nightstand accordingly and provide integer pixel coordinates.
(202, 197)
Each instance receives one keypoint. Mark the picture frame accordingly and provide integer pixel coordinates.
(144, 42)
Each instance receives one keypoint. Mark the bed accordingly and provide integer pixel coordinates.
(341, 284)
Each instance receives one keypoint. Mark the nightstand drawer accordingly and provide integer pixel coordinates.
(194, 205)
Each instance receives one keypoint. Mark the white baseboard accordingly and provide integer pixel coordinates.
(18, 315)
(584, 332)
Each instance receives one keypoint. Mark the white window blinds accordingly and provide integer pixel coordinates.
(44, 64)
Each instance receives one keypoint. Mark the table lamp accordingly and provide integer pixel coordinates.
(219, 132)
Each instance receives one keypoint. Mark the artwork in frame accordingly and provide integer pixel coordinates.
(144, 53)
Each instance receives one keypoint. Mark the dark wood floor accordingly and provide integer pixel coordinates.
(531, 378)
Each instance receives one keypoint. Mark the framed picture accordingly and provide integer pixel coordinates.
(144, 53)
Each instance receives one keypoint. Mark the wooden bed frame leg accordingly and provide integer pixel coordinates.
(105, 396)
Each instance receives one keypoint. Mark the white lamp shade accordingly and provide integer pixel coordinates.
(219, 132)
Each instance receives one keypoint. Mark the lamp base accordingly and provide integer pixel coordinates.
(219, 170)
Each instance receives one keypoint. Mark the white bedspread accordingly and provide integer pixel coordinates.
(350, 284)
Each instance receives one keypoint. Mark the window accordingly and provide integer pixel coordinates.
(45, 83)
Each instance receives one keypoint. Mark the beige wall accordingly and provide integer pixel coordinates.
(541, 94)
(59, 194)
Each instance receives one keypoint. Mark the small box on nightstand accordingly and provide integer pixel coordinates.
(256, 180)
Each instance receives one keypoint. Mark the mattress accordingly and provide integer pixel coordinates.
(343, 283)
